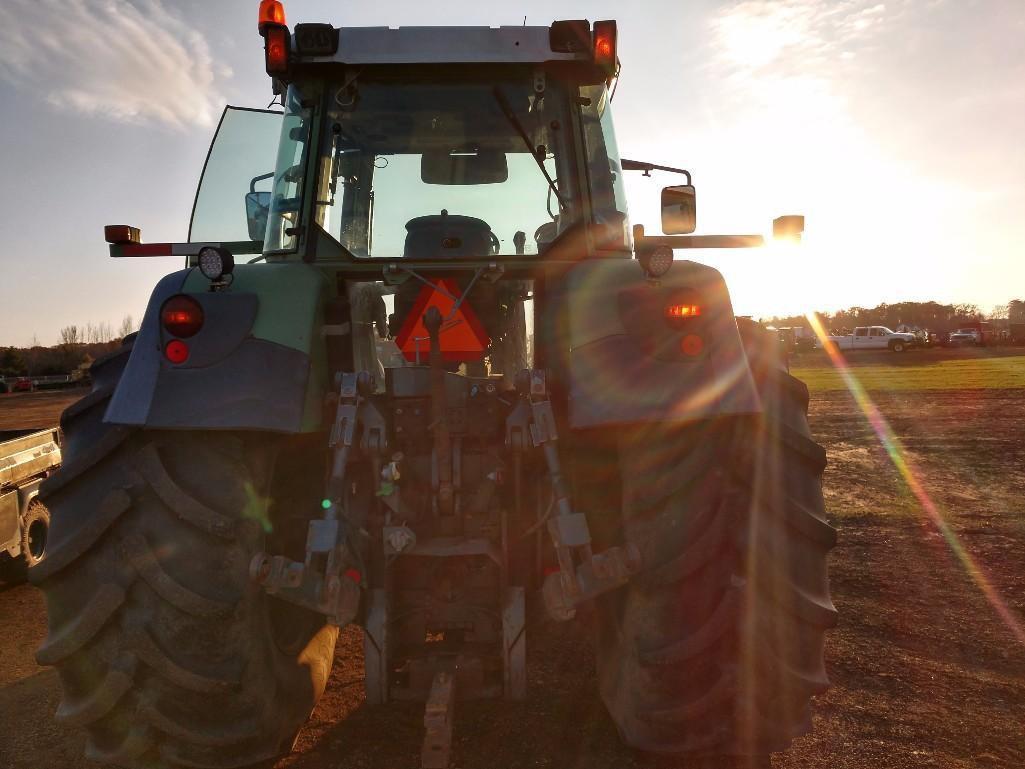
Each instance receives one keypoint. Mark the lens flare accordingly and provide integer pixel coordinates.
(898, 456)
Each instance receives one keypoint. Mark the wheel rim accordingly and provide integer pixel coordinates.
(37, 539)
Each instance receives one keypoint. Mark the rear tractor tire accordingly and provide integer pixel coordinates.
(168, 655)
(717, 648)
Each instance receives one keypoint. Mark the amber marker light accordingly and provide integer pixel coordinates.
(683, 310)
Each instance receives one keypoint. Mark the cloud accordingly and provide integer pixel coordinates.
(132, 62)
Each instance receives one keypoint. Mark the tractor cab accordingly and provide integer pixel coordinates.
(427, 166)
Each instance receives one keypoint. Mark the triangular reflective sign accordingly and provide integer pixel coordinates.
(462, 336)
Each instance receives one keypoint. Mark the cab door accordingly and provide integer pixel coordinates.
(228, 206)
(877, 339)
(861, 338)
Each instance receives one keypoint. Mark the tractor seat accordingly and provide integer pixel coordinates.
(444, 235)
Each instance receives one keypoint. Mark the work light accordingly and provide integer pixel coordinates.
(215, 262)
(656, 262)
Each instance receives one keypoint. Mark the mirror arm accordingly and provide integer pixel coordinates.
(647, 168)
(123, 250)
(642, 241)
(252, 184)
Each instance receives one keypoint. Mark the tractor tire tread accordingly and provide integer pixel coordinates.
(185, 506)
(688, 657)
(137, 551)
(83, 626)
(102, 699)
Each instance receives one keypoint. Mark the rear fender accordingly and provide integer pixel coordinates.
(257, 363)
(630, 363)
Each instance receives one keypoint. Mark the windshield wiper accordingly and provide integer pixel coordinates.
(514, 121)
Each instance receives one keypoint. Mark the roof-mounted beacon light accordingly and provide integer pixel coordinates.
(271, 12)
(605, 55)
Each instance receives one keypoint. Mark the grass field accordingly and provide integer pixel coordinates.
(923, 370)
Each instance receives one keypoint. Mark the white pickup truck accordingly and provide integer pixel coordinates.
(874, 338)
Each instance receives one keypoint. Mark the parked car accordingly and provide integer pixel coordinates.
(965, 336)
(874, 338)
(23, 385)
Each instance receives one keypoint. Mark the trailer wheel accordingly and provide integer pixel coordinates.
(167, 653)
(34, 531)
(717, 648)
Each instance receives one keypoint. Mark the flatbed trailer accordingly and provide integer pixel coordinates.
(27, 458)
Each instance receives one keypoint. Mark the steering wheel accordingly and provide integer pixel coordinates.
(496, 245)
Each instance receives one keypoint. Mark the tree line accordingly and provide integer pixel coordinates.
(927, 315)
(78, 347)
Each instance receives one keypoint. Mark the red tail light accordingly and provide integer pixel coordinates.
(605, 46)
(181, 316)
(692, 344)
(276, 46)
(176, 351)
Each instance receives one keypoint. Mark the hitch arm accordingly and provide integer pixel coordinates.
(582, 575)
(319, 583)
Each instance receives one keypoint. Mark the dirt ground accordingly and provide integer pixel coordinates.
(925, 673)
(38, 409)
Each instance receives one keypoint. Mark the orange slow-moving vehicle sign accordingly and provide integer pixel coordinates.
(462, 336)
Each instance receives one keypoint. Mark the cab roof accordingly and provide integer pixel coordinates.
(442, 45)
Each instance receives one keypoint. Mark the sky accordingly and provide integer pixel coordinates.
(895, 127)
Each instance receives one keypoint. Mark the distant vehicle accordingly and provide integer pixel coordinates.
(26, 458)
(966, 336)
(23, 385)
(874, 338)
(921, 335)
(796, 338)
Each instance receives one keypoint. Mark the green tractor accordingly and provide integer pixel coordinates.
(419, 374)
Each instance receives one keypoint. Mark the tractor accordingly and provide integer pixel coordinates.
(419, 374)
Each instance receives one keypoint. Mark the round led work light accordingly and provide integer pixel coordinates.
(656, 262)
(215, 262)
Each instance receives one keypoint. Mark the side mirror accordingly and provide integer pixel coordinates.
(679, 210)
(257, 211)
